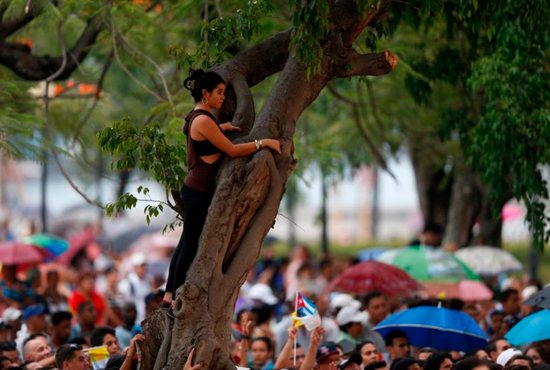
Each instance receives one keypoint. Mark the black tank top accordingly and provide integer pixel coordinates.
(201, 175)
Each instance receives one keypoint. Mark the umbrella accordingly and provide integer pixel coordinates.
(436, 327)
(367, 276)
(371, 253)
(532, 328)
(540, 299)
(467, 290)
(54, 245)
(156, 241)
(122, 241)
(77, 243)
(489, 261)
(16, 253)
(428, 263)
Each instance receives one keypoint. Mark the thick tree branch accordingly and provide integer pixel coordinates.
(36, 68)
(238, 106)
(372, 64)
(260, 61)
(10, 27)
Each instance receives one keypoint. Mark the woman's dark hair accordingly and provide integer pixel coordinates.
(199, 80)
(266, 340)
(364, 343)
(544, 354)
(96, 339)
(468, 364)
(436, 359)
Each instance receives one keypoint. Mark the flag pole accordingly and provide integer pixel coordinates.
(296, 336)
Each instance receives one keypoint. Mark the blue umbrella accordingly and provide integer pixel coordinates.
(437, 327)
(531, 328)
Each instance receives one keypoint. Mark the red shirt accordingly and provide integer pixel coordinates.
(77, 298)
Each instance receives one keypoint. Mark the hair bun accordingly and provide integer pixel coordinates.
(190, 82)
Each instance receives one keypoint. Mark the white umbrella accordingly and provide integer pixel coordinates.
(489, 261)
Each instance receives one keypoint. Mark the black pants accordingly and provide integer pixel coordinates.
(196, 205)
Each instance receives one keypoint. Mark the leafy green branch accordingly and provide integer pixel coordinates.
(150, 150)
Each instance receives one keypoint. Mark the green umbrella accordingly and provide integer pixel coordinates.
(428, 263)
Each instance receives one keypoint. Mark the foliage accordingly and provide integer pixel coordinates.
(311, 23)
(477, 53)
(509, 144)
(460, 61)
(18, 125)
(149, 149)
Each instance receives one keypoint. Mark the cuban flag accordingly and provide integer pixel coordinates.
(306, 313)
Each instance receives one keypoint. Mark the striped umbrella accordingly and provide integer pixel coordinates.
(428, 263)
(52, 244)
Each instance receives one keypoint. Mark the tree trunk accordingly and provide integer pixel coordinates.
(433, 186)
(490, 224)
(249, 191)
(464, 209)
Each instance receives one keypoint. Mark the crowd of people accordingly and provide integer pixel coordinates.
(51, 320)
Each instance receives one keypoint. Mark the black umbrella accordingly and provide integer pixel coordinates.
(122, 241)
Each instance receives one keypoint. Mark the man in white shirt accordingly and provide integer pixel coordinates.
(137, 285)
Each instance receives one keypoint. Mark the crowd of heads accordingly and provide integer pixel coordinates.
(51, 319)
(263, 321)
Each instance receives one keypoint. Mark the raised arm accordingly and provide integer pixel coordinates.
(315, 339)
(283, 361)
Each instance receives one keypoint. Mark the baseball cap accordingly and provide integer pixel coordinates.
(343, 300)
(351, 314)
(355, 358)
(11, 314)
(507, 355)
(263, 293)
(326, 349)
(34, 310)
(138, 259)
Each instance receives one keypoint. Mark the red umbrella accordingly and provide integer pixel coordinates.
(372, 275)
(17, 253)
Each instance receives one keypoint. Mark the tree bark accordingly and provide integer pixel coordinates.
(433, 187)
(464, 209)
(248, 193)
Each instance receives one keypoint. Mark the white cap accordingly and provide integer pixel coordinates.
(507, 355)
(344, 300)
(351, 314)
(11, 314)
(263, 293)
(138, 259)
(528, 291)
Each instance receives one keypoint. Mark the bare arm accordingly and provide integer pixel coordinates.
(188, 364)
(315, 339)
(131, 352)
(204, 128)
(247, 326)
(47, 362)
(283, 361)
